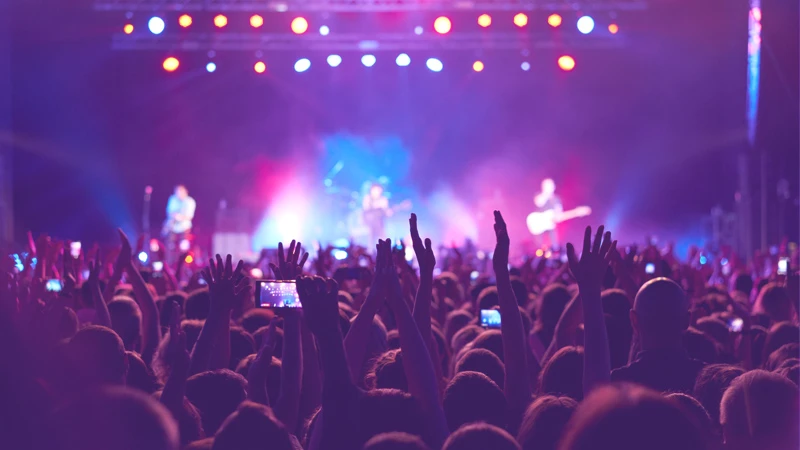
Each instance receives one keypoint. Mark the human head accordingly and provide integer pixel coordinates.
(700, 346)
(387, 372)
(491, 340)
(181, 192)
(376, 190)
(660, 314)
(627, 417)
(485, 362)
(242, 344)
(759, 410)
(698, 413)
(480, 436)
(252, 427)
(544, 422)
(139, 374)
(396, 440)
(717, 330)
(273, 375)
(773, 300)
(548, 186)
(386, 410)
(126, 320)
(488, 298)
(743, 283)
(563, 373)
(256, 318)
(189, 422)
(783, 353)
(780, 334)
(198, 303)
(552, 301)
(473, 397)
(216, 394)
(115, 417)
(464, 336)
(711, 383)
(620, 336)
(96, 356)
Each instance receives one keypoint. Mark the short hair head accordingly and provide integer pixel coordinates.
(660, 312)
(548, 186)
(485, 362)
(396, 440)
(473, 397)
(96, 356)
(249, 428)
(563, 373)
(711, 383)
(544, 422)
(480, 436)
(126, 320)
(216, 394)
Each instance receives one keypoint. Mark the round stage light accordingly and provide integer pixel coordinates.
(299, 25)
(526, 66)
(302, 65)
(171, 64)
(585, 24)
(554, 20)
(403, 60)
(260, 67)
(334, 60)
(368, 60)
(442, 25)
(185, 20)
(484, 20)
(142, 257)
(613, 28)
(220, 21)
(256, 21)
(128, 28)
(324, 30)
(434, 64)
(211, 67)
(418, 30)
(566, 63)
(477, 66)
(156, 25)
(521, 20)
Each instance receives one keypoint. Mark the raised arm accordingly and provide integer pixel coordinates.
(566, 329)
(355, 343)
(589, 271)
(259, 368)
(178, 359)
(417, 363)
(517, 383)
(422, 304)
(287, 407)
(102, 317)
(120, 264)
(151, 328)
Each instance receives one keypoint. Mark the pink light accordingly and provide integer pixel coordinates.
(756, 12)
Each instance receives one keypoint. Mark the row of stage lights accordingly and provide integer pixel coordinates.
(565, 63)
(441, 24)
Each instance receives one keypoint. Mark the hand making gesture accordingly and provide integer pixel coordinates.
(225, 284)
(590, 269)
(291, 267)
(319, 297)
(424, 253)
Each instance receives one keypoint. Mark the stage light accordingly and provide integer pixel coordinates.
(299, 25)
(324, 30)
(302, 65)
(484, 20)
(156, 25)
(526, 66)
(128, 28)
(154, 245)
(334, 60)
(477, 66)
(211, 67)
(185, 20)
(585, 24)
(260, 67)
(566, 63)
(256, 21)
(171, 64)
(256, 273)
(184, 245)
(613, 28)
(554, 20)
(143, 257)
(442, 25)
(368, 60)
(418, 30)
(403, 60)
(434, 64)
(339, 255)
(539, 252)
(189, 259)
(220, 21)
(521, 20)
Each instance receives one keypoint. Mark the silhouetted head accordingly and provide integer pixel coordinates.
(464, 336)
(783, 353)
(96, 356)
(115, 418)
(181, 192)
(488, 298)
(139, 374)
(456, 320)
(544, 422)
(258, 338)
(548, 186)
(616, 303)
(780, 334)
(491, 340)
(59, 323)
(711, 383)
(563, 373)
(660, 314)
(126, 320)
(256, 318)
(386, 410)
(387, 372)
(485, 362)
(198, 304)
(552, 301)
(717, 330)
(273, 375)
(773, 300)
(620, 335)
(242, 344)
(760, 411)
(473, 397)
(743, 283)
(216, 394)
(252, 427)
(189, 422)
(628, 417)
(700, 346)
(480, 436)
(698, 414)
(396, 440)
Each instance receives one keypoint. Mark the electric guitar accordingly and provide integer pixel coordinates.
(540, 222)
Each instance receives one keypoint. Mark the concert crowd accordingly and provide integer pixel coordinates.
(607, 347)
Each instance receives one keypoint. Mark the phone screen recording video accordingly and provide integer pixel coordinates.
(53, 285)
(277, 294)
(783, 266)
(490, 318)
(650, 268)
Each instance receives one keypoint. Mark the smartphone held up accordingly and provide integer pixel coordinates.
(277, 294)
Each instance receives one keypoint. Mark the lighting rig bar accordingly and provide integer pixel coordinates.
(367, 5)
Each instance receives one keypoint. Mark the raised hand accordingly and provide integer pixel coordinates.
(102, 316)
(319, 297)
(125, 252)
(290, 267)
(259, 368)
(590, 269)
(225, 284)
(424, 252)
(500, 257)
(176, 353)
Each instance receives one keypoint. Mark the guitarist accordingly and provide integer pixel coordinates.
(178, 226)
(375, 211)
(548, 201)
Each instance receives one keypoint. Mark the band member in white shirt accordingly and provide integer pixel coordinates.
(375, 211)
(178, 226)
(548, 201)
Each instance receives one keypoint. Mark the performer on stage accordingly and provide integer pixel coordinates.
(178, 226)
(376, 210)
(548, 202)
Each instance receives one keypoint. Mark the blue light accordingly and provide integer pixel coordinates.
(703, 259)
(302, 65)
(368, 60)
(341, 243)
(339, 255)
(211, 67)
(334, 60)
(403, 60)
(585, 24)
(143, 257)
(434, 64)
(156, 25)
